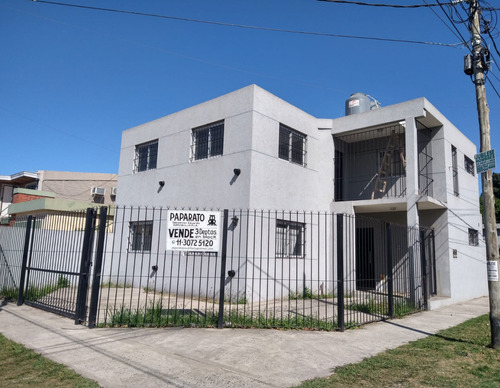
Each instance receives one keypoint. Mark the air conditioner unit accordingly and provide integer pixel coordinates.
(113, 191)
(98, 191)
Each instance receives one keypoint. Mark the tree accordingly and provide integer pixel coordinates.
(496, 193)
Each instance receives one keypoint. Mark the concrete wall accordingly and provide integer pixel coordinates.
(251, 132)
(203, 183)
(467, 268)
(77, 185)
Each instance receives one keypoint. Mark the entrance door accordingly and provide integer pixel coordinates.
(365, 259)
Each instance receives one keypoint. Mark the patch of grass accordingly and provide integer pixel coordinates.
(457, 357)
(9, 293)
(307, 293)
(35, 293)
(157, 316)
(370, 306)
(62, 282)
(236, 300)
(21, 367)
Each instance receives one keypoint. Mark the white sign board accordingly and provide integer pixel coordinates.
(492, 271)
(485, 161)
(189, 230)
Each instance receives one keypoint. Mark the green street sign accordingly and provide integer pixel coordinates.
(485, 161)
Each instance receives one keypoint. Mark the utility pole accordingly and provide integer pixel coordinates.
(479, 65)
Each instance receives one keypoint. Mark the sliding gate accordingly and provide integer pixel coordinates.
(58, 256)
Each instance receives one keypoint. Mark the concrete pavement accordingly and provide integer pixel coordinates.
(176, 357)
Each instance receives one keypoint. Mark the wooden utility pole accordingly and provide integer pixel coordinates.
(479, 66)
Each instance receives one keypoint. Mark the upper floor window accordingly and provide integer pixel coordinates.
(289, 238)
(146, 155)
(469, 165)
(208, 141)
(292, 145)
(473, 237)
(454, 170)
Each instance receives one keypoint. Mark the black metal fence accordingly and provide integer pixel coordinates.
(273, 269)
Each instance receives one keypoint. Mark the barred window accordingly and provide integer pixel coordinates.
(289, 239)
(469, 165)
(146, 155)
(141, 236)
(454, 170)
(473, 237)
(292, 145)
(208, 141)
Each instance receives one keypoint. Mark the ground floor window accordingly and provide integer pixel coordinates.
(289, 239)
(141, 236)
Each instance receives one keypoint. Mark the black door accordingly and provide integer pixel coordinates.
(365, 259)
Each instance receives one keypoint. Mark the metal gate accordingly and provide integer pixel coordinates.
(58, 255)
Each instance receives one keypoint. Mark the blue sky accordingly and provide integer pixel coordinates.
(73, 79)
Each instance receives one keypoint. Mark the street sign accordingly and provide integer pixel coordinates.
(485, 161)
(189, 230)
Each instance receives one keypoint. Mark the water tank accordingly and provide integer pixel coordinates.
(359, 103)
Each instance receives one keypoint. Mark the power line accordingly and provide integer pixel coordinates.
(249, 26)
(493, 86)
(386, 5)
(454, 26)
(447, 26)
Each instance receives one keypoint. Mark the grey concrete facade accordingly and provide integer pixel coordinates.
(431, 184)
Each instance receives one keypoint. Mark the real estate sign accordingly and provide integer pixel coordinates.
(191, 230)
(485, 161)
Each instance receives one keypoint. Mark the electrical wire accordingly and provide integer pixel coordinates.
(493, 87)
(458, 36)
(249, 26)
(465, 41)
(408, 6)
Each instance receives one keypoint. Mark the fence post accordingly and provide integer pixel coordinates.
(390, 281)
(96, 279)
(88, 239)
(340, 271)
(220, 322)
(20, 296)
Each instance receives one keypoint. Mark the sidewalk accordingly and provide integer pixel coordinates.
(176, 357)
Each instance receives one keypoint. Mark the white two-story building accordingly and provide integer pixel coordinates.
(404, 163)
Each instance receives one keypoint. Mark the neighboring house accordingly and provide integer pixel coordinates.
(404, 163)
(8, 183)
(61, 191)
